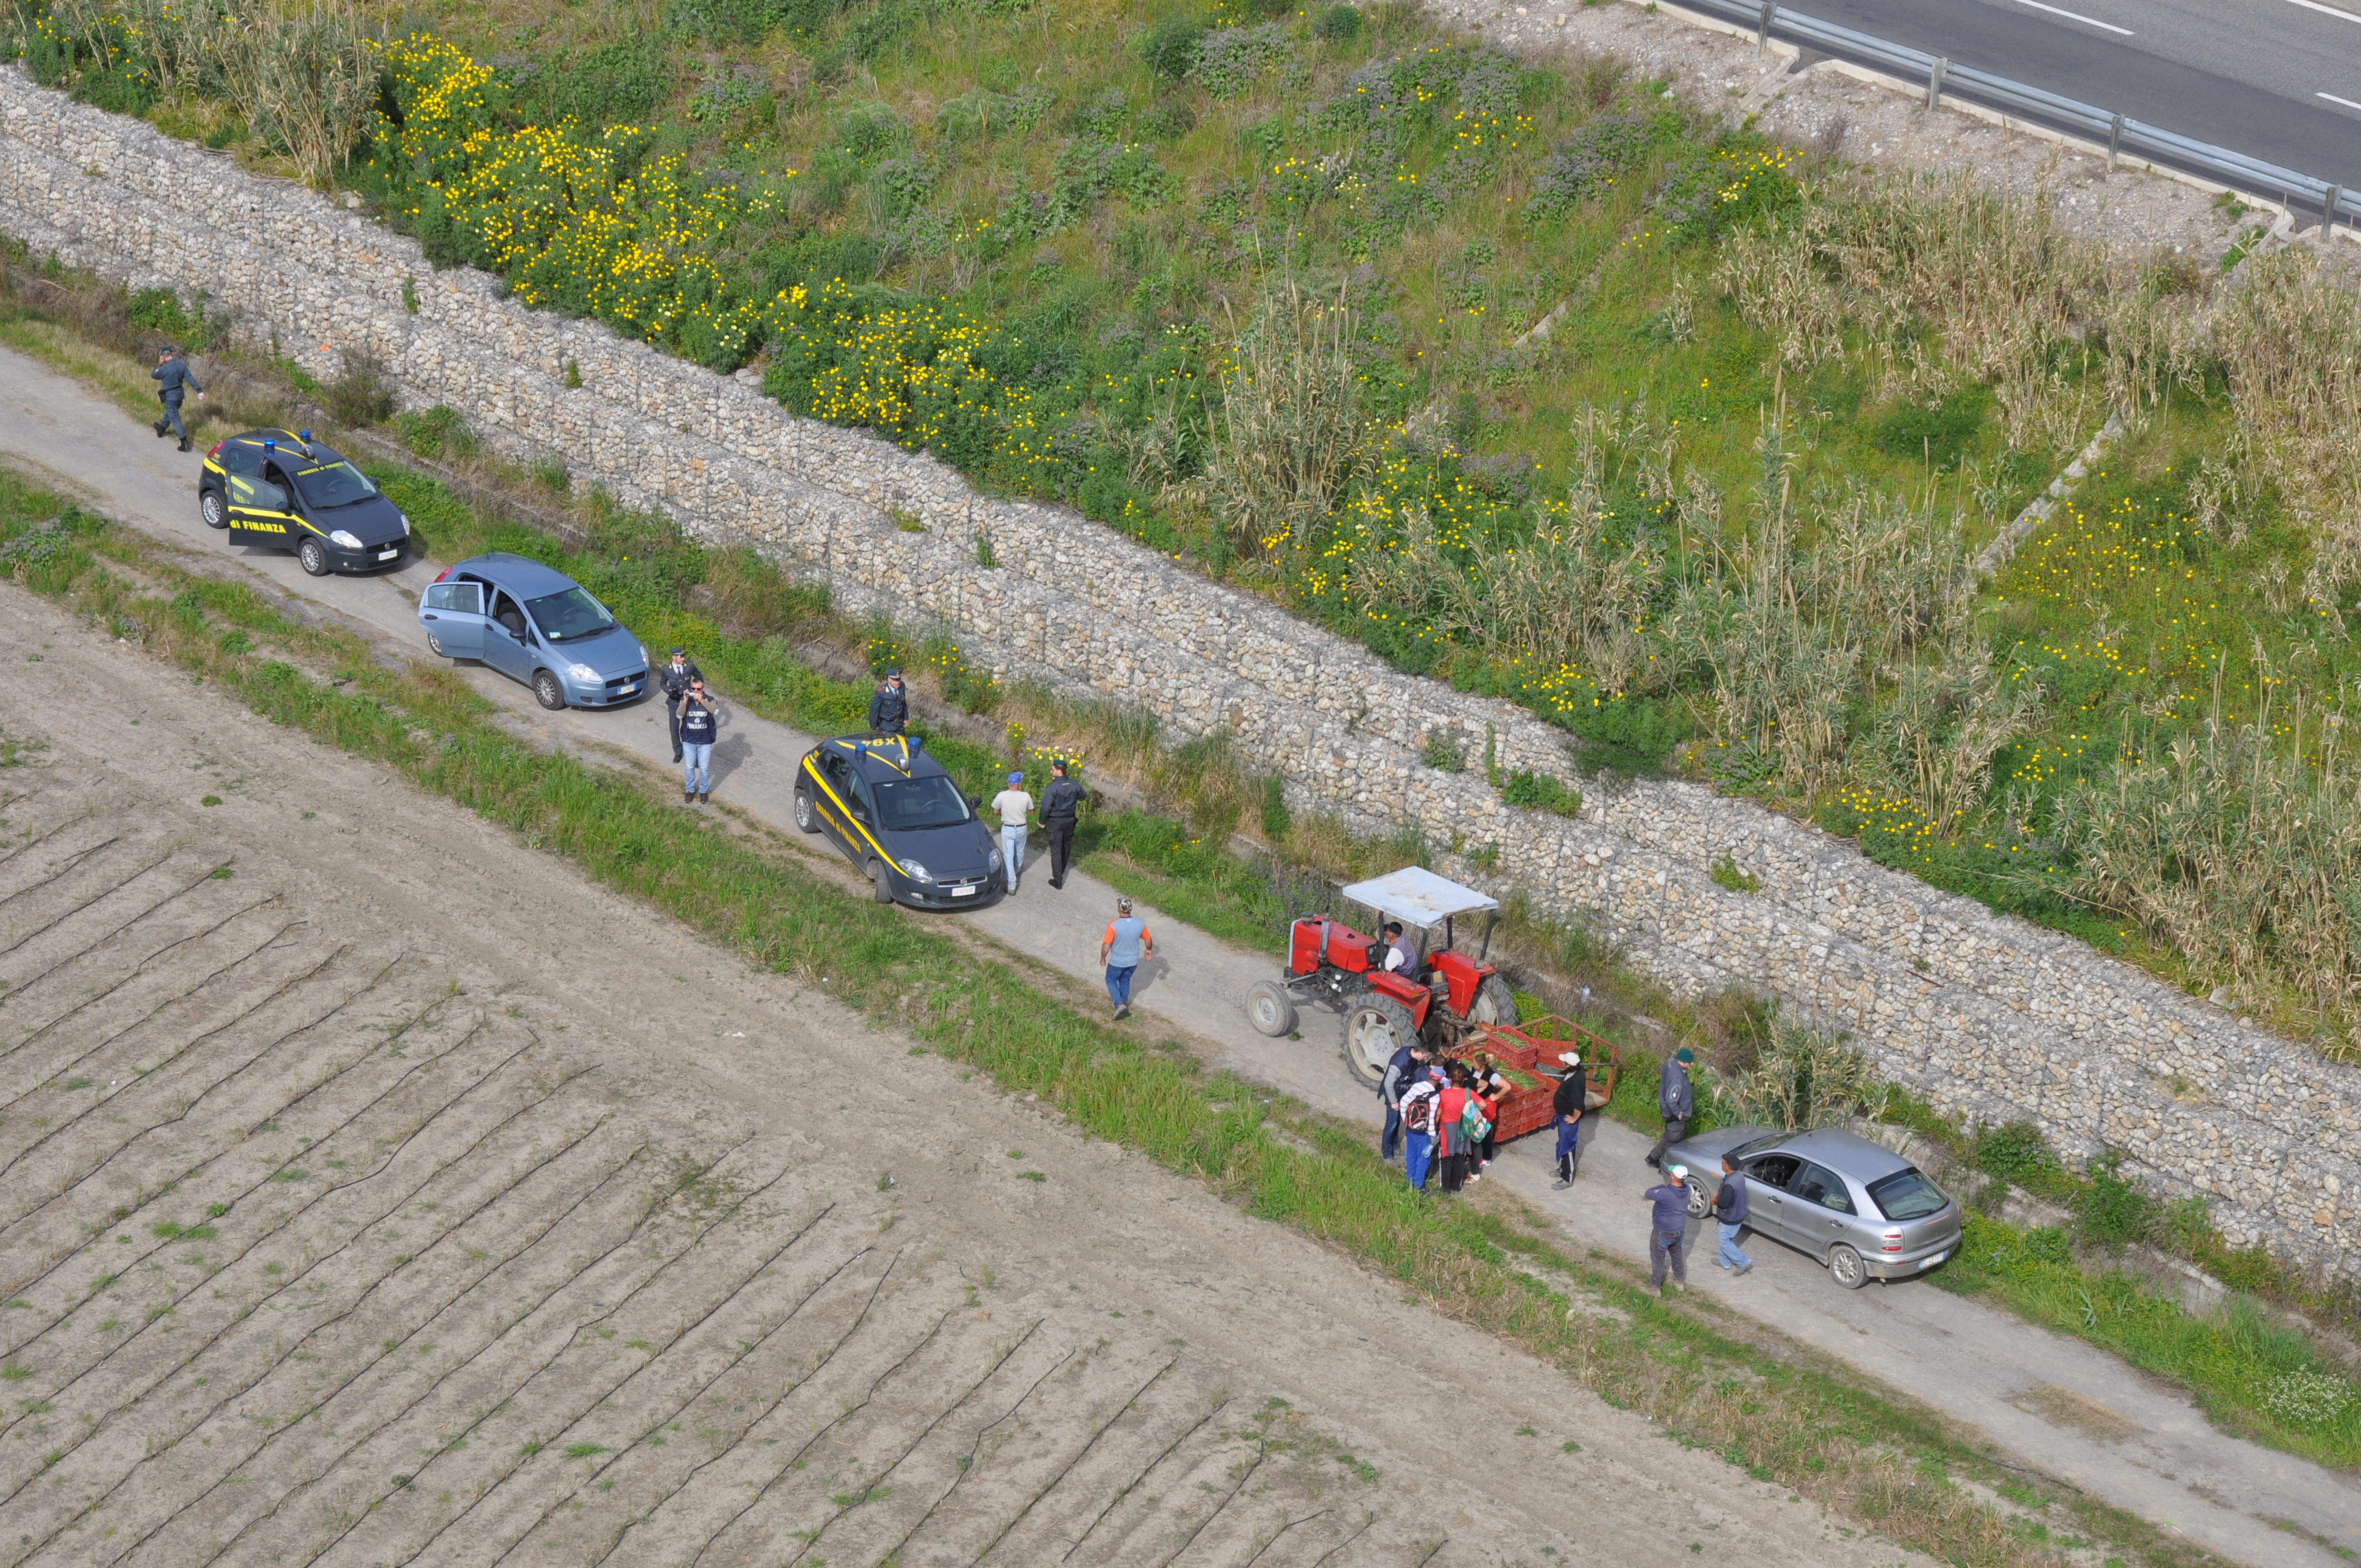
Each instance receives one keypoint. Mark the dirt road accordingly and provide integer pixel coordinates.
(2061, 1406)
(380, 1191)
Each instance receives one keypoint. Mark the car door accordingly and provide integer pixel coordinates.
(452, 614)
(1767, 1177)
(836, 804)
(1820, 1209)
(508, 645)
(258, 511)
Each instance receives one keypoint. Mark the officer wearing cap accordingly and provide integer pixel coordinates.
(674, 678)
(889, 705)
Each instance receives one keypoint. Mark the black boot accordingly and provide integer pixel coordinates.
(184, 446)
(160, 429)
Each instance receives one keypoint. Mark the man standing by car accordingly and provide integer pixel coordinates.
(177, 380)
(1060, 804)
(1668, 1232)
(674, 678)
(889, 710)
(1124, 948)
(1675, 1103)
(1568, 1105)
(1730, 1212)
(1015, 807)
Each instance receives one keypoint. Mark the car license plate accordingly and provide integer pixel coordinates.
(387, 554)
(964, 892)
(626, 688)
(1931, 1262)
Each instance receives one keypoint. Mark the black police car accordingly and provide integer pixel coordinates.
(283, 490)
(897, 814)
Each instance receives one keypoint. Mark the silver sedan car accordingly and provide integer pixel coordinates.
(1856, 1207)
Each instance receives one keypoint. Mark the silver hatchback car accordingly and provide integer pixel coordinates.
(1855, 1206)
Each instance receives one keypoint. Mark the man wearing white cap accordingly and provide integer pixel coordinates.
(1572, 1099)
(1668, 1236)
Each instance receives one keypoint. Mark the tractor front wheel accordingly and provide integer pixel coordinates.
(1375, 1028)
(1269, 1009)
(1494, 1003)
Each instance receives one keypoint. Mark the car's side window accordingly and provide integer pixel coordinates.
(859, 791)
(260, 495)
(277, 482)
(238, 457)
(1774, 1170)
(467, 599)
(505, 611)
(1825, 1188)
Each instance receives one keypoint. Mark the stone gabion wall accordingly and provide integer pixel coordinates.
(1979, 1015)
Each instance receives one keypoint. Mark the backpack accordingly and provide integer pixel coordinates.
(1418, 1113)
(1473, 1124)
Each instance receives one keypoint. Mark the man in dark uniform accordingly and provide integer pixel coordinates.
(1568, 1106)
(889, 705)
(674, 678)
(177, 380)
(1060, 802)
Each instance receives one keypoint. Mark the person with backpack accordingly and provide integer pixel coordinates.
(1409, 1064)
(1568, 1105)
(1418, 1113)
(1451, 1126)
(1676, 1102)
(1668, 1232)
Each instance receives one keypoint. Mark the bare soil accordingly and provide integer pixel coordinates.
(376, 1191)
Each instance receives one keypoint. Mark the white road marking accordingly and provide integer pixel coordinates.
(2094, 21)
(2326, 10)
(2334, 99)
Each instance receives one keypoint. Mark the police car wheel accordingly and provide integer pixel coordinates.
(807, 816)
(313, 557)
(547, 692)
(877, 875)
(210, 508)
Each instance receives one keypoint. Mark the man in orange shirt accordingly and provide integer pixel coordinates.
(1127, 943)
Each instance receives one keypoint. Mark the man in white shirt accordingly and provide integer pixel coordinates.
(1016, 808)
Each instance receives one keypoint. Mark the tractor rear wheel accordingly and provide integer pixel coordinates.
(1269, 1009)
(1494, 1003)
(1375, 1028)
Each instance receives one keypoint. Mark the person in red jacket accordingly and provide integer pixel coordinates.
(1450, 1106)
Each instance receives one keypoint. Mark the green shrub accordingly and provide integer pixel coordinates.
(2014, 1151)
(1275, 819)
(1338, 24)
(1936, 436)
(2116, 1211)
(1726, 872)
(1170, 47)
(1539, 792)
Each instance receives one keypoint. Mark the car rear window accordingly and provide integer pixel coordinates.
(569, 614)
(1907, 1195)
(904, 805)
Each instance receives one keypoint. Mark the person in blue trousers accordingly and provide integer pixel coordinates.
(1730, 1212)
(1408, 1066)
(1568, 1105)
(1127, 942)
(1418, 1105)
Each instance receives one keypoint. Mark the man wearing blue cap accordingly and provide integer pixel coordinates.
(1016, 808)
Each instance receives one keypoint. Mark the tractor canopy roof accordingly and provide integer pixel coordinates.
(1416, 896)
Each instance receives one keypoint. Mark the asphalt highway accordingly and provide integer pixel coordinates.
(2276, 80)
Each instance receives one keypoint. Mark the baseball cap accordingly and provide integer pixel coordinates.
(1684, 1053)
(1570, 1059)
(1676, 1171)
(1017, 778)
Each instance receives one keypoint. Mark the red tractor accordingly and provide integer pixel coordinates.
(1443, 995)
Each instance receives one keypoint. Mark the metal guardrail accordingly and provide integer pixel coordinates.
(2120, 134)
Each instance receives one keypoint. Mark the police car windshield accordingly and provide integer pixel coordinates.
(564, 617)
(906, 804)
(333, 485)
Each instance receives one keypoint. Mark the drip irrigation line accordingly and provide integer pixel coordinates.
(564, 1345)
(97, 897)
(746, 1349)
(202, 877)
(140, 968)
(616, 1386)
(77, 858)
(1290, 1524)
(390, 1347)
(1067, 1469)
(94, 1428)
(974, 1455)
(1147, 1470)
(912, 1447)
(52, 1073)
(843, 1415)
(1367, 1518)
(1262, 1451)
(36, 843)
(785, 1392)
